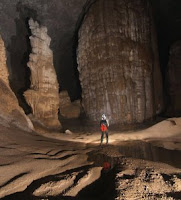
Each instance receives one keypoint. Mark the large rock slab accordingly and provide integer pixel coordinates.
(43, 94)
(117, 62)
(10, 111)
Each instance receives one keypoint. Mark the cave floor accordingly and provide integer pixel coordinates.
(144, 164)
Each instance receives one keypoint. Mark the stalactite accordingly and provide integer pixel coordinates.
(43, 94)
(115, 61)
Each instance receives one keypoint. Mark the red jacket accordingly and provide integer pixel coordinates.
(103, 125)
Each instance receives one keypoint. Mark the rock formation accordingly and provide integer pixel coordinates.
(43, 95)
(116, 62)
(69, 109)
(174, 80)
(3, 68)
(9, 107)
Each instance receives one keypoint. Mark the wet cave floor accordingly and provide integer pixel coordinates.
(75, 166)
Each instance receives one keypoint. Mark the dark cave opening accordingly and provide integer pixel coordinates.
(167, 18)
(19, 51)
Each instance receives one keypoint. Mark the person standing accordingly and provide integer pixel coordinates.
(104, 124)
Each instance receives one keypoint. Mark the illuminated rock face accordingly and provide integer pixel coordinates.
(174, 79)
(3, 68)
(43, 95)
(69, 109)
(9, 107)
(118, 62)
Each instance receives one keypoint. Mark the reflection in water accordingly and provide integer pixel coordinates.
(135, 149)
(147, 151)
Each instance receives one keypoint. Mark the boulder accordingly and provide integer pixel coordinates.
(69, 109)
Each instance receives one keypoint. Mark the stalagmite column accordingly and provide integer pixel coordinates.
(10, 110)
(174, 80)
(43, 95)
(116, 62)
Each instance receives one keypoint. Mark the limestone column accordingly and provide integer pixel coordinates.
(116, 61)
(43, 96)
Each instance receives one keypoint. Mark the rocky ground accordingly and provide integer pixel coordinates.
(144, 164)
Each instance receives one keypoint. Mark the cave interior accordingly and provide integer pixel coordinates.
(63, 21)
(63, 63)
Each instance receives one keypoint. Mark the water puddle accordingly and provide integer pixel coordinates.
(147, 151)
(137, 150)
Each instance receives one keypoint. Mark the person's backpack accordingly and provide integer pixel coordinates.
(103, 127)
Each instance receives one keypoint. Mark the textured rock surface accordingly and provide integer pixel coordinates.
(174, 79)
(3, 67)
(9, 108)
(117, 66)
(69, 109)
(60, 17)
(147, 183)
(35, 167)
(43, 95)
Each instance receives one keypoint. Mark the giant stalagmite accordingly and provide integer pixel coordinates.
(10, 111)
(118, 62)
(43, 95)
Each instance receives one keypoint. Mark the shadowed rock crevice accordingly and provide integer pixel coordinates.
(19, 50)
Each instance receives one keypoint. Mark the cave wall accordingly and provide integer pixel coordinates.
(10, 111)
(174, 80)
(118, 62)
